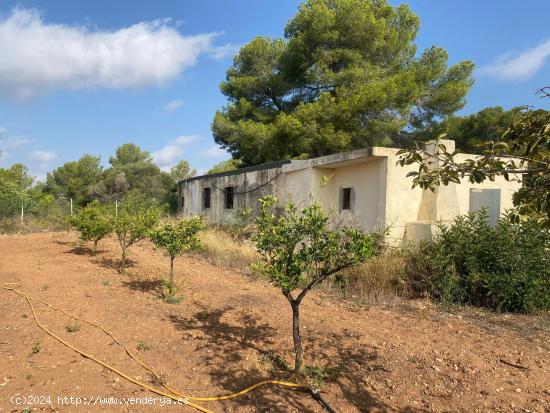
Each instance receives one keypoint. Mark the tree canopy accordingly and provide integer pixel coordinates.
(346, 75)
(224, 166)
(74, 179)
(471, 131)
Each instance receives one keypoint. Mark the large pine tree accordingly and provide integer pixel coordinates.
(346, 75)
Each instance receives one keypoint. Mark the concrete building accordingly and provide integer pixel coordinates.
(365, 187)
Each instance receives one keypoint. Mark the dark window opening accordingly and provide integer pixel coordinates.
(346, 198)
(229, 197)
(182, 202)
(206, 198)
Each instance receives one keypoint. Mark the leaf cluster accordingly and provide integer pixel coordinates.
(93, 222)
(300, 248)
(134, 221)
(178, 238)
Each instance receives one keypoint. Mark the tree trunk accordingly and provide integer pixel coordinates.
(123, 261)
(94, 248)
(298, 360)
(171, 275)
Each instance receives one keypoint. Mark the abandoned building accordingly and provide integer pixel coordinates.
(364, 186)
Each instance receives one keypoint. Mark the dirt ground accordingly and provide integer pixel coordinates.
(411, 357)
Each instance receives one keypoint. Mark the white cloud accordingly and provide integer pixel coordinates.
(213, 152)
(221, 52)
(43, 156)
(39, 56)
(14, 142)
(173, 105)
(519, 66)
(170, 153)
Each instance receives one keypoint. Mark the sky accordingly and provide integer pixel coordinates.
(87, 76)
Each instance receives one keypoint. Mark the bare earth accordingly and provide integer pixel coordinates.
(407, 358)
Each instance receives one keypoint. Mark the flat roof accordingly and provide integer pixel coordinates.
(264, 166)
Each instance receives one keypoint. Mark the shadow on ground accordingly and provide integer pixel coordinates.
(114, 263)
(152, 286)
(229, 342)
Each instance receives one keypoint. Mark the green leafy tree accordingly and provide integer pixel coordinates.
(300, 249)
(347, 75)
(177, 239)
(470, 132)
(133, 223)
(74, 179)
(224, 166)
(17, 188)
(522, 153)
(133, 169)
(182, 170)
(94, 222)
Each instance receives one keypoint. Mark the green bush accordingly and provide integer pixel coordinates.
(505, 267)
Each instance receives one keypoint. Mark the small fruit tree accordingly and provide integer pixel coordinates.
(300, 249)
(93, 222)
(132, 224)
(177, 239)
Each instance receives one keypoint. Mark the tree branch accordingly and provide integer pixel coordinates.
(319, 279)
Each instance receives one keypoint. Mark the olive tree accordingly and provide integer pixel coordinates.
(131, 224)
(177, 239)
(301, 248)
(93, 222)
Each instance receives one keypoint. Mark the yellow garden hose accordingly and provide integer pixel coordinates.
(172, 394)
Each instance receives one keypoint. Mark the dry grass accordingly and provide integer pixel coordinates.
(377, 281)
(31, 225)
(221, 249)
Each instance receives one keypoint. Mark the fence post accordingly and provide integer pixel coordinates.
(116, 207)
(71, 206)
(22, 212)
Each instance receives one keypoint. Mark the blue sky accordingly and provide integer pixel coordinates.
(61, 97)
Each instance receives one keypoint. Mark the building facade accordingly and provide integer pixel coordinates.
(364, 187)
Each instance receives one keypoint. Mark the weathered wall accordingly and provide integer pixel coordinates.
(383, 195)
(249, 187)
(412, 212)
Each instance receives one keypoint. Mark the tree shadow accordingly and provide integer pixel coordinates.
(153, 286)
(83, 250)
(114, 263)
(226, 344)
(226, 338)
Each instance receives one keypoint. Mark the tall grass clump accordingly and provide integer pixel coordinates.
(221, 248)
(505, 267)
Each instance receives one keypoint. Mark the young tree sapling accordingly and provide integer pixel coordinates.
(177, 239)
(300, 249)
(93, 222)
(132, 224)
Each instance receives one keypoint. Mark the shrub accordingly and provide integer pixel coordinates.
(505, 267)
(93, 222)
